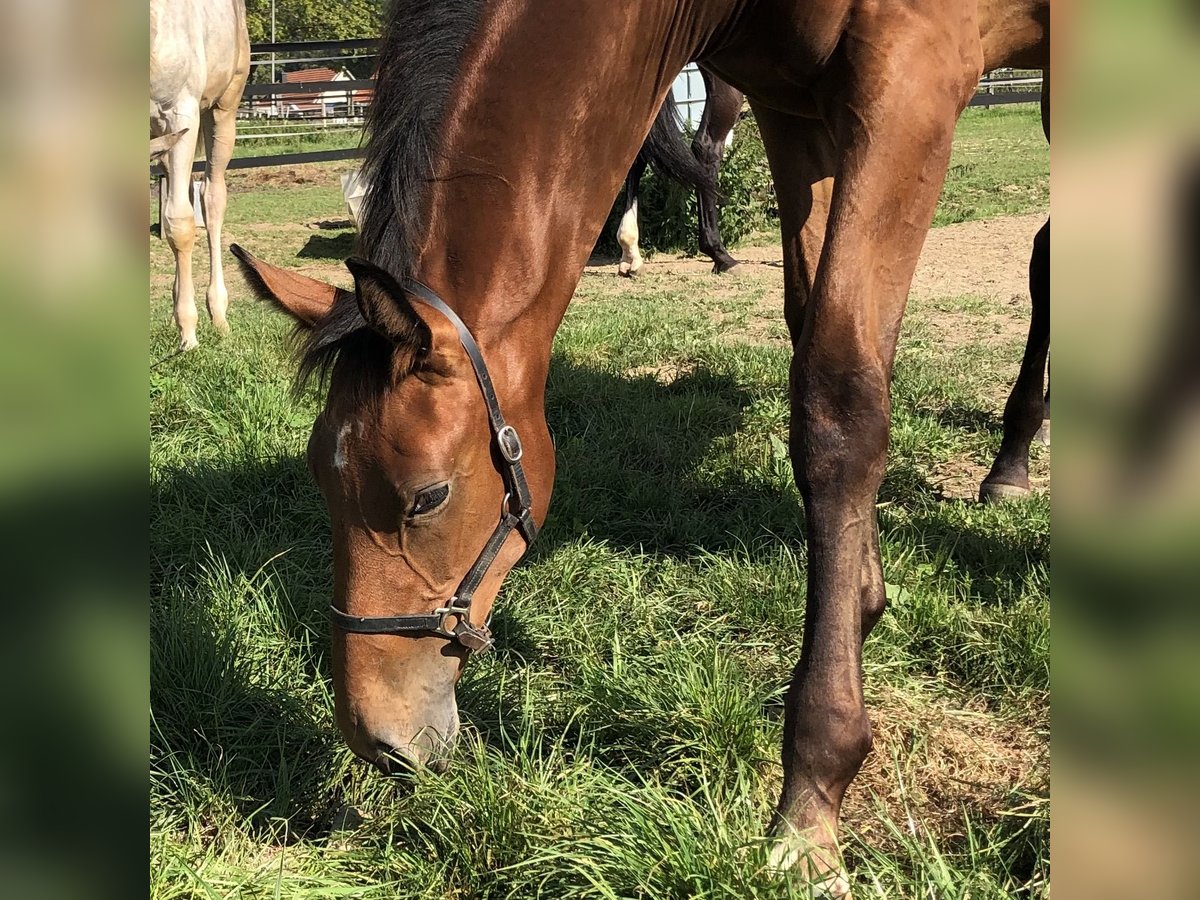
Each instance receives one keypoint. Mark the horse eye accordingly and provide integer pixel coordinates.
(429, 499)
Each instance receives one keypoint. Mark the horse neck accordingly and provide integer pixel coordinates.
(539, 131)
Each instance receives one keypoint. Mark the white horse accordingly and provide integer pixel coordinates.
(199, 63)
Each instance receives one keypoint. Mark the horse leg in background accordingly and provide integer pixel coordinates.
(1043, 435)
(721, 109)
(894, 154)
(179, 223)
(219, 125)
(1027, 412)
(627, 231)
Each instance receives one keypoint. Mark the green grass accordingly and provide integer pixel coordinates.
(623, 739)
(1000, 165)
(301, 142)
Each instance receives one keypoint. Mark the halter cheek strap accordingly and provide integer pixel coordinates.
(453, 621)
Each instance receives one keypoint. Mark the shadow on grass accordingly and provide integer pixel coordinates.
(336, 248)
(970, 418)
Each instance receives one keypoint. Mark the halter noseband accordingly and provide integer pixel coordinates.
(453, 621)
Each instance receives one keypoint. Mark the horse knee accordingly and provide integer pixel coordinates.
(180, 232)
(839, 432)
(214, 198)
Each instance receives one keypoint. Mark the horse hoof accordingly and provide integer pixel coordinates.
(222, 326)
(188, 343)
(998, 492)
(720, 268)
(1043, 434)
(819, 867)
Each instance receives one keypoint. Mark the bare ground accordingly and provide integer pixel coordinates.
(987, 260)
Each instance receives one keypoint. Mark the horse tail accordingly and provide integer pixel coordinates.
(669, 153)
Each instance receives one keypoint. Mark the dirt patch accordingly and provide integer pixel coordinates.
(987, 261)
(664, 373)
(247, 180)
(959, 477)
(989, 258)
(935, 761)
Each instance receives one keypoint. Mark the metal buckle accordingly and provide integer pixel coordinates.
(471, 637)
(503, 436)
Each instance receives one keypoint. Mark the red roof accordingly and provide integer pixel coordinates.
(306, 75)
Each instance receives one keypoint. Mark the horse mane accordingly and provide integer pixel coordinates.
(419, 58)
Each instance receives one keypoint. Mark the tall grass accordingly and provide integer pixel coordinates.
(623, 739)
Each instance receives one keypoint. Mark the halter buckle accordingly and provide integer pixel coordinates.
(509, 444)
(473, 638)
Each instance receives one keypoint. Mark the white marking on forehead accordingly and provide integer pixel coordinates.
(339, 452)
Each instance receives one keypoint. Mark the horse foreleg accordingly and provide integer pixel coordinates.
(219, 125)
(805, 188)
(1026, 411)
(627, 231)
(896, 146)
(179, 224)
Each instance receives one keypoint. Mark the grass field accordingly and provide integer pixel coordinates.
(623, 739)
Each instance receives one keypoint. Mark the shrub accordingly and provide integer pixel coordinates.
(668, 213)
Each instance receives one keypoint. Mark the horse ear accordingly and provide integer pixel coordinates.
(159, 146)
(386, 307)
(304, 299)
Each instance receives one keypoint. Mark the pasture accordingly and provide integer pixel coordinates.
(623, 738)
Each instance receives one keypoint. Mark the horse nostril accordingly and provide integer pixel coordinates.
(394, 761)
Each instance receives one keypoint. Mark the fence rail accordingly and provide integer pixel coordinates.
(341, 92)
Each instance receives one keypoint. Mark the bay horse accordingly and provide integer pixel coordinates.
(722, 106)
(199, 64)
(432, 450)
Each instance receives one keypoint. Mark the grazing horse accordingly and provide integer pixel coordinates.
(432, 450)
(723, 105)
(199, 63)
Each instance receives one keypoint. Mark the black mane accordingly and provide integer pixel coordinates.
(419, 59)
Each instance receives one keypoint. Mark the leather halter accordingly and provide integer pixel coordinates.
(453, 621)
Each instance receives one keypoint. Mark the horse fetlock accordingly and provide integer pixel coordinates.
(828, 744)
(630, 264)
(723, 262)
(217, 300)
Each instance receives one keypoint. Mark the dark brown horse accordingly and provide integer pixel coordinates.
(486, 119)
(722, 106)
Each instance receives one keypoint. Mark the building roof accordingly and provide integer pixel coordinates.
(307, 75)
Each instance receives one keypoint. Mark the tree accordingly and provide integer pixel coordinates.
(314, 20)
